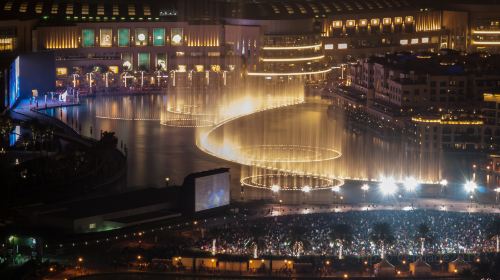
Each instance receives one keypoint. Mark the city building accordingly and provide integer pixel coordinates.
(118, 42)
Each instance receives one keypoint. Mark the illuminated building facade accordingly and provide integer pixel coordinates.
(264, 38)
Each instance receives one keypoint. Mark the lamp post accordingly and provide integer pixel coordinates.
(365, 188)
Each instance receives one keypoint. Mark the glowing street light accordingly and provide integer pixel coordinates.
(365, 187)
(410, 184)
(470, 186)
(306, 189)
(444, 182)
(388, 186)
(275, 188)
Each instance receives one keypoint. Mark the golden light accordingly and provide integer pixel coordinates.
(293, 59)
(80, 259)
(346, 275)
(139, 257)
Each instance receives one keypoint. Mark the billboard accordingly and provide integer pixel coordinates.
(212, 191)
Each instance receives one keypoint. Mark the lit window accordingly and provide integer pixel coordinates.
(158, 36)
(123, 37)
(8, 6)
(403, 42)
(181, 68)
(409, 19)
(350, 23)
(116, 10)
(215, 67)
(61, 71)
(289, 9)
(39, 7)
(100, 9)
(374, 21)
(176, 35)
(88, 37)
(414, 41)
(143, 61)
(23, 7)
(337, 24)
(147, 10)
(54, 9)
(92, 226)
(398, 20)
(179, 54)
(199, 68)
(386, 21)
(302, 9)
(213, 54)
(328, 46)
(85, 9)
(363, 22)
(141, 37)
(131, 10)
(69, 9)
(342, 46)
(425, 40)
(106, 37)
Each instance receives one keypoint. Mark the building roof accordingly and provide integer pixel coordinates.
(93, 10)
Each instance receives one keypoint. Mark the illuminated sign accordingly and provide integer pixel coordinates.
(106, 37)
(176, 35)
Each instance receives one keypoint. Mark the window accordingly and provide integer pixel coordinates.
(61, 71)
(161, 62)
(69, 9)
(374, 21)
(147, 10)
(39, 7)
(131, 10)
(328, 46)
(213, 54)
(143, 61)
(88, 37)
(176, 36)
(199, 68)
(409, 19)
(350, 23)
(158, 36)
(106, 37)
(425, 40)
(23, 7)
(8, 6)
(403, 42)
(123, 37)
(342, 46)
(337, 24)
(92, 226)
(141, 37)
(386, 21)
(85, 9)
(116, 10)
(414, 41)
(54, 8)
(398, 20)
(100, 9)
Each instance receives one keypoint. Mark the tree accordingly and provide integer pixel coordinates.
(494, 232)
(423, 235)
(382, 235)
(257, 241)
(341, 234)
(298, 240)
(6, 126)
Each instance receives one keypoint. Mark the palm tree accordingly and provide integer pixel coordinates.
(494, 232)
(298, 240)
(257, 241)
(341, 234)
(382, 234)
(423, 235)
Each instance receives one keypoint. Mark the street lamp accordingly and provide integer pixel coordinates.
(497, 191)
(470, 186)
(167, 181)
(410, 184)
(275, 188)
(306, 189)
(388, 186)
(365, 188)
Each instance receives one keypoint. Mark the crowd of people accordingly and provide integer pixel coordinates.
(449, 232)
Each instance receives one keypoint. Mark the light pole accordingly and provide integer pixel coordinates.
(365, 188)
(497, 191)
(470, 188)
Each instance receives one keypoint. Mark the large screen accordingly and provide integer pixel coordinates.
(211, 191)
